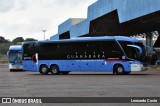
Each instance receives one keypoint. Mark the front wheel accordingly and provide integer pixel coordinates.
(44, 70)
(54, 69)
(119, 70)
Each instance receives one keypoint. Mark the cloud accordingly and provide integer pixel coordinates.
(6, 5)
(27, 27)
(27, 18)
(69, 2)
(21, 5)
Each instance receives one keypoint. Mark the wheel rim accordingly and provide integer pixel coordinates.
(120, 69)
(54, 70)
(44, 70)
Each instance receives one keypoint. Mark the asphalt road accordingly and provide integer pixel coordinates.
(28, 84)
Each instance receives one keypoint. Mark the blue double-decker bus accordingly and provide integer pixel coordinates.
(15, 58)
(117, 54)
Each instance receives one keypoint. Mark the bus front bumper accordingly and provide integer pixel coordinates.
(138, 67)
(144, 68)
(15, 66)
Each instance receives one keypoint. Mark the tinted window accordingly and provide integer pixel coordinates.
(131, 52)
(15, 56)
(83, 49)
(28, 48)
(109, 48)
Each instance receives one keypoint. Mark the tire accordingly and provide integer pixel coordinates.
(54, 70)
(12, 70)
(119, 70)
(65, 73)
(44, 70)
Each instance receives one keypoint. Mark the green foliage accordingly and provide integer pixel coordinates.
(30, 39)
(3, 58)
(16, 40)
(5, 44)
(3, 40)
(4, 47)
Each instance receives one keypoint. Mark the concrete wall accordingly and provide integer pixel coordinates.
(66, 26)
(80, 29)
(127, 10)
(54, 37)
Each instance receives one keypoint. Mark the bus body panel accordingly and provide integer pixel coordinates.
(79, 65)
(15, 47)
(29, 65)
(68, 59)
(83, 65)
(64, 65)
(94, 65)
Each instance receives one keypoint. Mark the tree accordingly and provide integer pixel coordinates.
(4, 47)
(18, 39)
(30, 39)
(3, 40)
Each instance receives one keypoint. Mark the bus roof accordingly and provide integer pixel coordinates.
(119, 38)
(15, 47)
(123, 38)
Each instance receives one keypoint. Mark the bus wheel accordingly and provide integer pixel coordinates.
(44, 69)
(54, 69)
(119, 70)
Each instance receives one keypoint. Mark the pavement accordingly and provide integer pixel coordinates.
(32, 84)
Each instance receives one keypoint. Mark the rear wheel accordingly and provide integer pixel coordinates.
(44, 70)
(54, 69)
(119, 70)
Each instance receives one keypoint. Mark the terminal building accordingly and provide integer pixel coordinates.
(114, 17)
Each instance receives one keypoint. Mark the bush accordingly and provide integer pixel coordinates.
(4, 48)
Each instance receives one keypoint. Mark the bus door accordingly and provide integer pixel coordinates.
(30, 57)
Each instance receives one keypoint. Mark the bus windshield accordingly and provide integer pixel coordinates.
(15, 57)
(132, 52)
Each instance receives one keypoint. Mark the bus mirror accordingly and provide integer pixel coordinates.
(8, 54)
(135, 46)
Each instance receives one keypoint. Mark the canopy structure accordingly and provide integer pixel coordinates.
(114, 17)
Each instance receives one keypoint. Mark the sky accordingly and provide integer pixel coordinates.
(27, 18)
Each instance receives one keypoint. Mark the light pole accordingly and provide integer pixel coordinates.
(44, 34)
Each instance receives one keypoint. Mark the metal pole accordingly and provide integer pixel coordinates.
(44, 34)
(149, 40)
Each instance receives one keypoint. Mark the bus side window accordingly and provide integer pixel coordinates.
(37, 47)
(112, 49)
(28, 48)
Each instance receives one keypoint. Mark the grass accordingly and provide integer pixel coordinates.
(3, 58)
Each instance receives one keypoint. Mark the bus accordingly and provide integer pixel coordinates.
(116, 54)
(15, 58)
